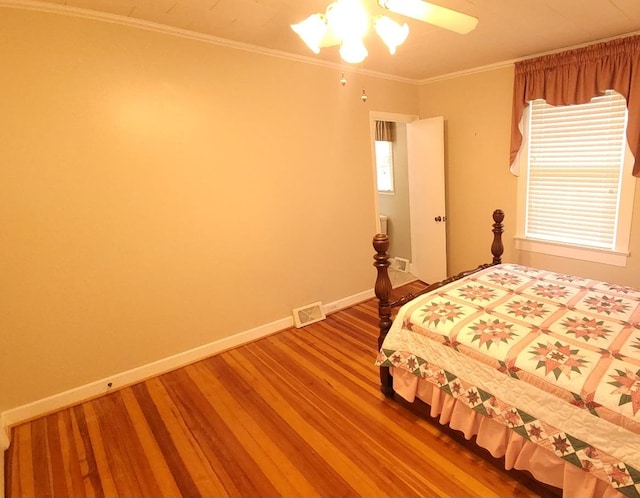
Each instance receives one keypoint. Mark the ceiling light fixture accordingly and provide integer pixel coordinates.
(345, 23)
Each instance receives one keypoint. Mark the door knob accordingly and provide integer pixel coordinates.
(438, 219)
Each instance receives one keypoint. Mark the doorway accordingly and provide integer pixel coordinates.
(416, 202)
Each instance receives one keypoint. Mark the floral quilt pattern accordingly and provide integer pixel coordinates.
(567, 346)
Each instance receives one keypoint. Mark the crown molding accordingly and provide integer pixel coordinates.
(469, 72)
(52, 8)
(511, 62)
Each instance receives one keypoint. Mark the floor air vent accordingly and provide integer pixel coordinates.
(308, 314)
(400, 264)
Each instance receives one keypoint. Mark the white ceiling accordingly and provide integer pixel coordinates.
(507, 30)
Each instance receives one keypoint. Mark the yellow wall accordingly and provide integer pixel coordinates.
(159, 193)
(477, 111)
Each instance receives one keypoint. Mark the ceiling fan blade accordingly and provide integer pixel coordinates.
(433, 14)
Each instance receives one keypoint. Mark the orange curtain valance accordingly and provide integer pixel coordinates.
(575, 77)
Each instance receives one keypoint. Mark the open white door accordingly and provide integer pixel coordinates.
(425, 143)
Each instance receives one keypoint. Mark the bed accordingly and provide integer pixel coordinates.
(542, 368)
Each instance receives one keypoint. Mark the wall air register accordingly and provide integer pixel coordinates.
(308, 314)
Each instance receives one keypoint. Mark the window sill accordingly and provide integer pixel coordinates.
(603, 256)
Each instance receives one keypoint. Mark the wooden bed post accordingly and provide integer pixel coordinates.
(383, 287)
(497, 247)
(383, 293)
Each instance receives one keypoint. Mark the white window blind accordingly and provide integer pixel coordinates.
(575, 164)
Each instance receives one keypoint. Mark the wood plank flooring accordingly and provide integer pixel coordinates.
(298, 413)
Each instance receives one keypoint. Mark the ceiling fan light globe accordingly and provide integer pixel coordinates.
(353, 51)
(312, 30)
(391, 33)
(330, 39)
(347, 18)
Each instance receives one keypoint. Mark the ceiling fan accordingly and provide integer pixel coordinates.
(345, 23)
(433, 14)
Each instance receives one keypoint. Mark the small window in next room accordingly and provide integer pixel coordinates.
(384, 166)
(575, 190)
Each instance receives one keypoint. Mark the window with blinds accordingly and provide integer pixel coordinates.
(575, 166)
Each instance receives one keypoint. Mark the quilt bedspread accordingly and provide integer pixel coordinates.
(554, 357)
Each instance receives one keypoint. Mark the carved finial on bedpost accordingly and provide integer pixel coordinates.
(497, 247)
(383, 293)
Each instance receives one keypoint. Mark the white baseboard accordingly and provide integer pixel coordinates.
(102, 386)
(341, 304)
(73, 396)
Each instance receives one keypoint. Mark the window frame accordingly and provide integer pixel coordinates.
(617, 256)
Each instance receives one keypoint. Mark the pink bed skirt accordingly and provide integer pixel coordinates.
(501, 441)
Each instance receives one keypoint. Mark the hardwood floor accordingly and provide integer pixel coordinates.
(298, 413)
